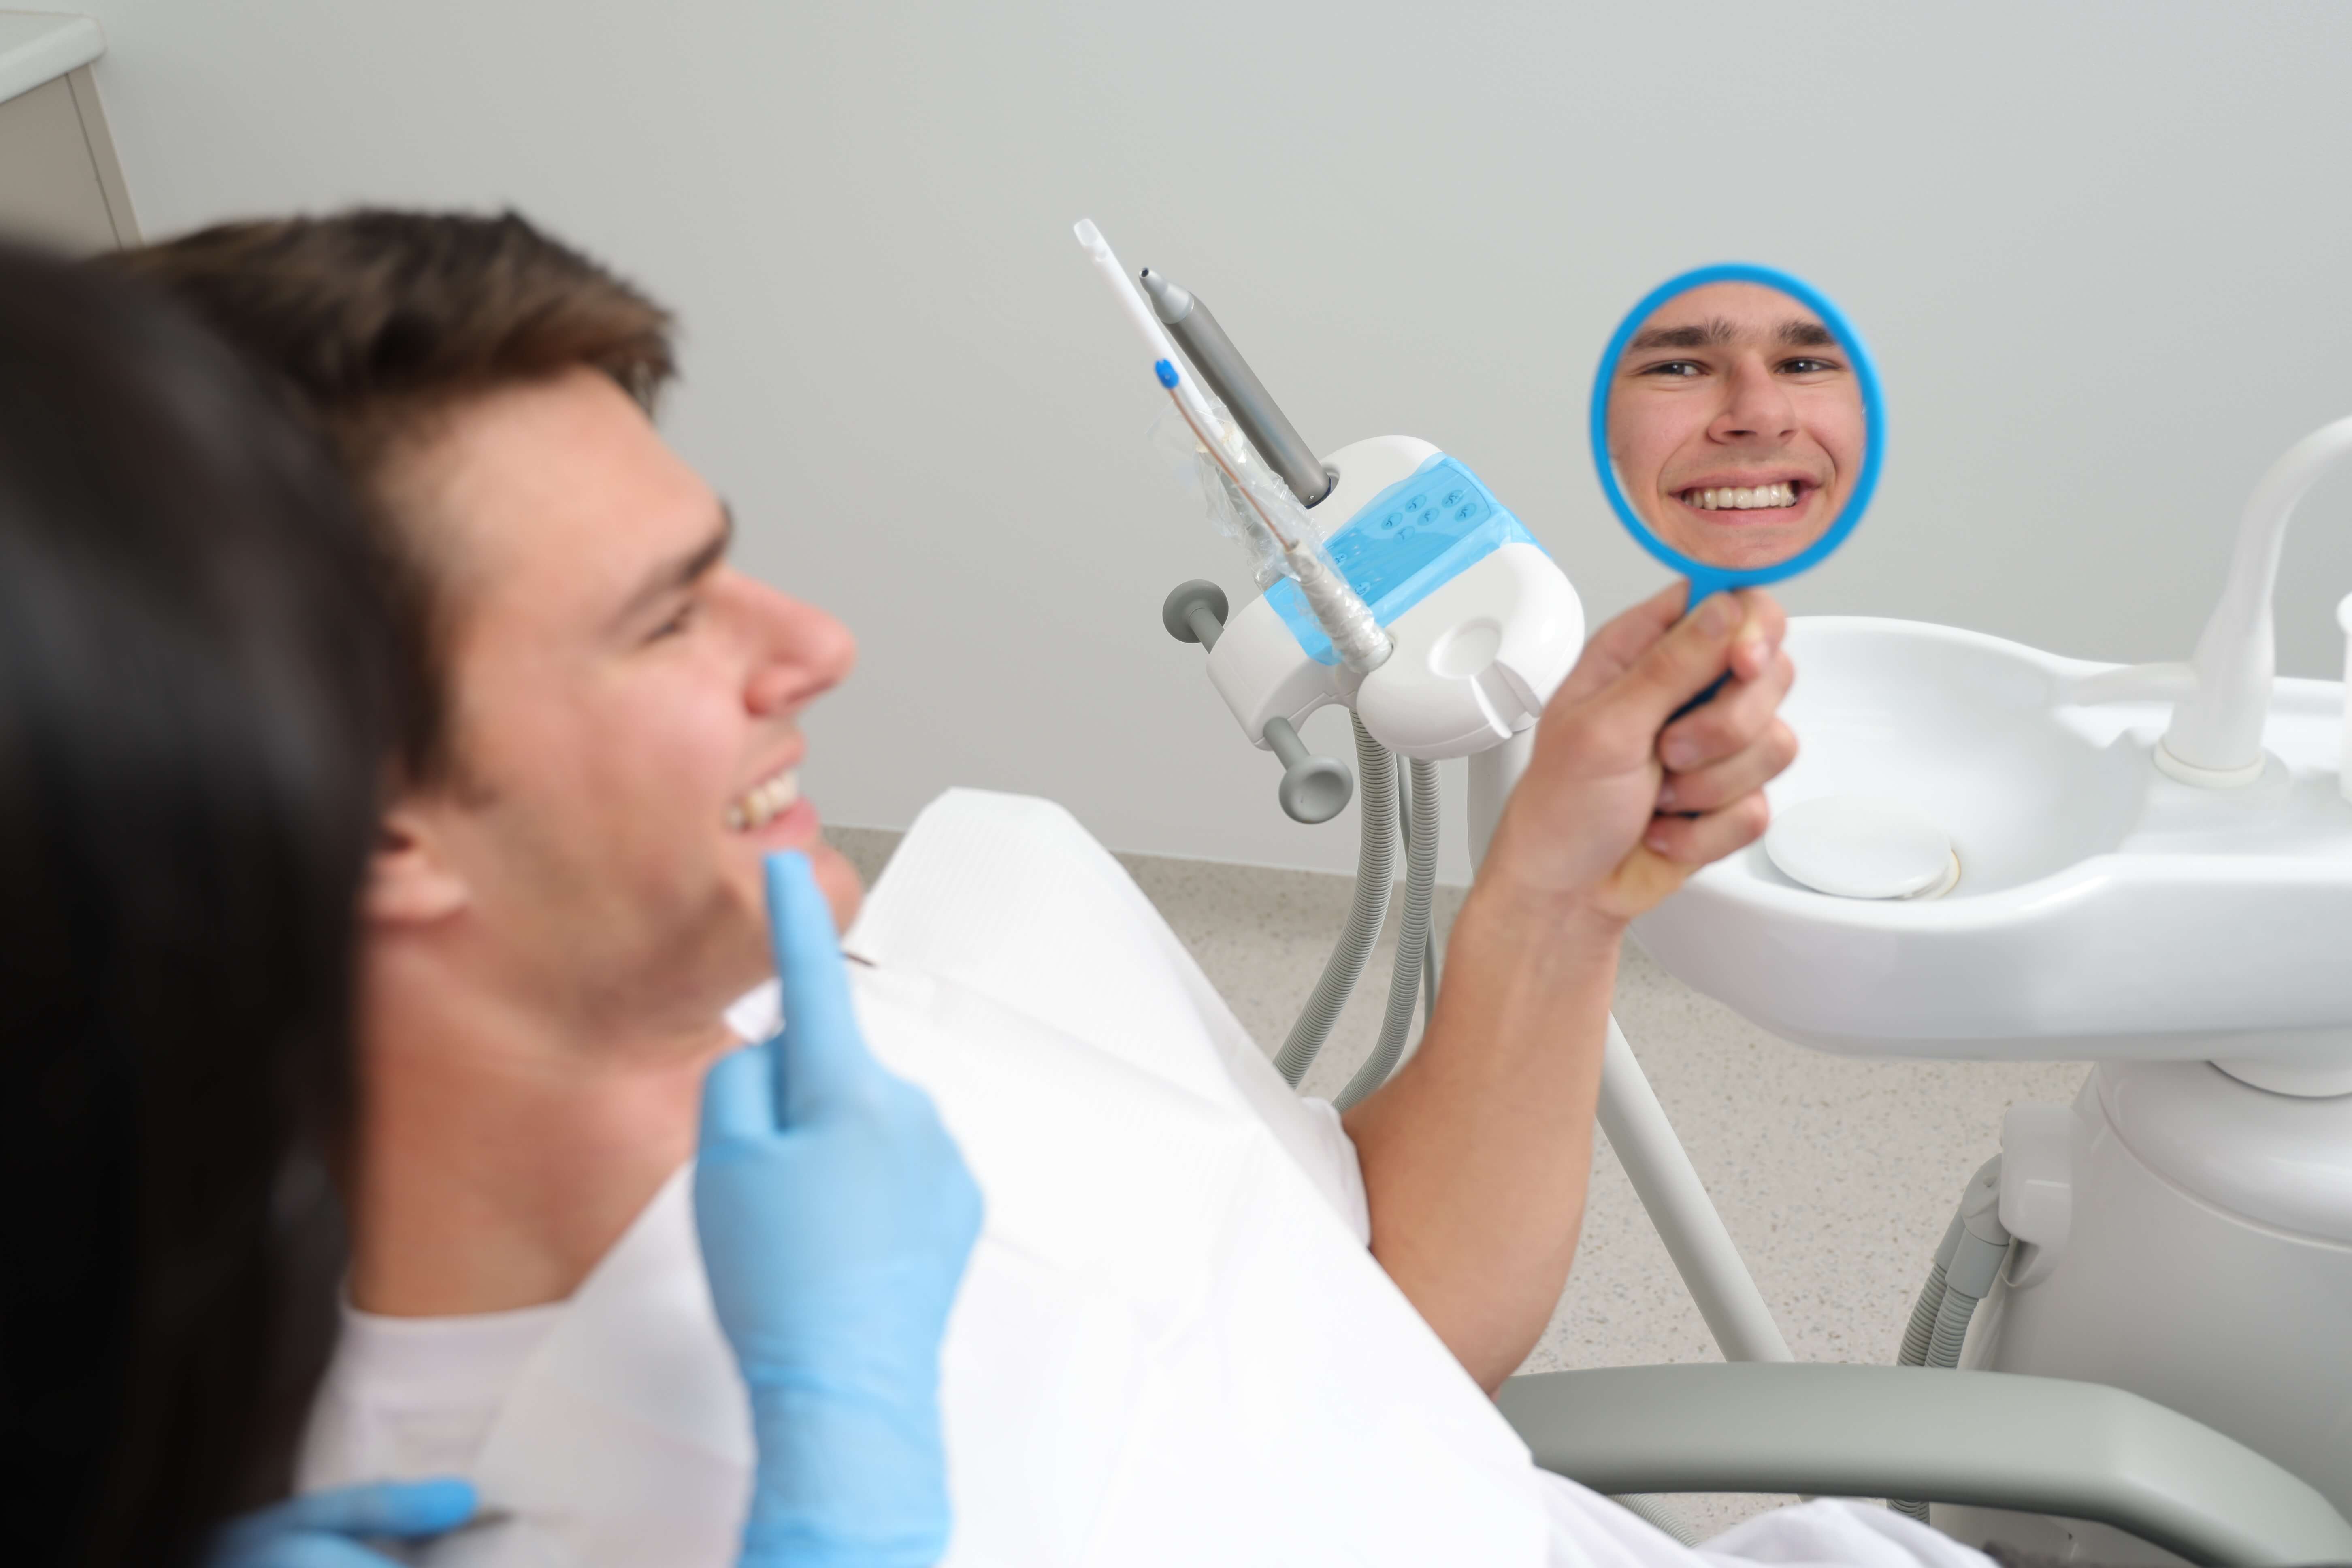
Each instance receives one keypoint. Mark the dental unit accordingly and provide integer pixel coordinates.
(1982, 851)
(2148, 868)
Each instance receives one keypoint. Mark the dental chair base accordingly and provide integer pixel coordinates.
(2032, 1443)
(2189, 1237)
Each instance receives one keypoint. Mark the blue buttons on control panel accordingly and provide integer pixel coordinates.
(1410, 540)
(1405, 529)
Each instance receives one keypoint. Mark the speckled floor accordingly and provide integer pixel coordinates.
(1835, 1176)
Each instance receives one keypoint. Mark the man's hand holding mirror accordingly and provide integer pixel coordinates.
(1737, 430)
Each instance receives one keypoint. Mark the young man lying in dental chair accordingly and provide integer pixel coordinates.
(1177, 1341)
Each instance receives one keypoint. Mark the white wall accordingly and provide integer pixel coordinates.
(2103, 254)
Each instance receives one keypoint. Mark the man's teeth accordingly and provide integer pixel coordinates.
(763, 802)
(1742, 498)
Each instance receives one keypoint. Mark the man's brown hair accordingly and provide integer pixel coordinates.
(374, 322)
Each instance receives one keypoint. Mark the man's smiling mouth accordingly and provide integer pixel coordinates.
(1742, 498)
(764, 801)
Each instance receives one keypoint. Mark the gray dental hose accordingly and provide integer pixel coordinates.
(1975, 1246)
(1429, 946)
(1413, 937)
(1920, 1332)
(1375, 875)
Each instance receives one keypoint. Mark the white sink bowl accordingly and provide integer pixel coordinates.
(2103, 909)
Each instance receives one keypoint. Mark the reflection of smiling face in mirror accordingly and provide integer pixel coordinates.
(1736, 425)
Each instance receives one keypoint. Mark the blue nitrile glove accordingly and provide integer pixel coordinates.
(836, 1216)
(324, 1530)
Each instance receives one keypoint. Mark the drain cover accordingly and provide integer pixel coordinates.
(1857, 846)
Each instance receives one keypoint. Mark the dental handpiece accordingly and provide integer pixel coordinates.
(1355, 632)
(1220, 364)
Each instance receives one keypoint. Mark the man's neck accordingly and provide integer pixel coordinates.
(499, 1155)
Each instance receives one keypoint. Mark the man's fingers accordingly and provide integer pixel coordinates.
(1610, 651)
(1728, 723)
(1694, 841)
(1719, 783)
(1752, 651)
(740, 1096)
(821, 1051)
(406, 1510)
(1680, 664)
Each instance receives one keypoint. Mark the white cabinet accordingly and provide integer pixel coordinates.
(60, 180)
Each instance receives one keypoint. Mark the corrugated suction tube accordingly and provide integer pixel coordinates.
(1661, 1513)
(1920, 1332)
(1975, 1246)
(1375, 875)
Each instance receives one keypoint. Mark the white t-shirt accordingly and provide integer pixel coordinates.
(411, 1397)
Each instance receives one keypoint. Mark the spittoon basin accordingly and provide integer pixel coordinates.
(2102, 908)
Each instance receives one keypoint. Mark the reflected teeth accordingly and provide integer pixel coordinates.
(1741, 497)
(761, 803)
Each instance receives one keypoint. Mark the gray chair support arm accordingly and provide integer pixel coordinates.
(1993, 1440)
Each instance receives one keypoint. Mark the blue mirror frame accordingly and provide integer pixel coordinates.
(1706, 579)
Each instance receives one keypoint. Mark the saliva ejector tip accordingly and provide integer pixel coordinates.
(1088, 234)
(1165, 372)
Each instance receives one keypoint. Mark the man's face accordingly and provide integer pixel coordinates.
(625, 708)
(1736, 425)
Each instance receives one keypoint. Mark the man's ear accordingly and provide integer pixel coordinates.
(410, 881)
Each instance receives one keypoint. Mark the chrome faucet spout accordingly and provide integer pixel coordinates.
(2216, 735)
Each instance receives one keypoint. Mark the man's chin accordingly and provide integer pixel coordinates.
(752, 946)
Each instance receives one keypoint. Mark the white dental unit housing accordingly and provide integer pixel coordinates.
(2155, 874)
(1474, 659)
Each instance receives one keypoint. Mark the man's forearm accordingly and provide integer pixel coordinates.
(1476, 1156)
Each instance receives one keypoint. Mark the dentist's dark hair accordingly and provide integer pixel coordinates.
(195, 707)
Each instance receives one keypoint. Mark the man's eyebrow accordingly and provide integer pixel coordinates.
(1701, 335)
(1797, 333)
(679, 573)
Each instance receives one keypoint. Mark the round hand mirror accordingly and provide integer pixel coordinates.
(1736, 426)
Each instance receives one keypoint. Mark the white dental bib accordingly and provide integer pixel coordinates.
(1172, 1347)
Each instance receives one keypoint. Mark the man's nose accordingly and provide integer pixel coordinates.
(802, 651)
(1758, 408)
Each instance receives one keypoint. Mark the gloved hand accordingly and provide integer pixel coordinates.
(836, 1216)
(323, 1530)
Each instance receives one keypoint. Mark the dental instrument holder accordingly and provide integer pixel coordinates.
(1704, 578)
(1314, 789)
(1497, 635)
